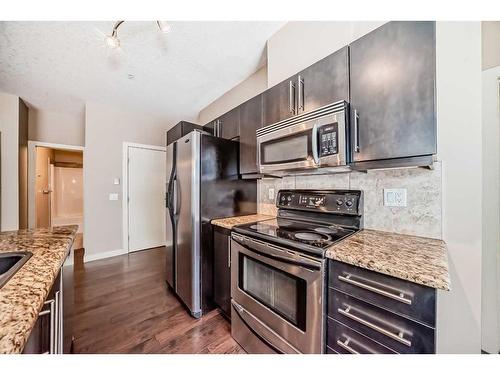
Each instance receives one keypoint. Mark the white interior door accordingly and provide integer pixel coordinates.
(146, 192)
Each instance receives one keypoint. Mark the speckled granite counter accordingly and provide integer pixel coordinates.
(22, 297)
(230, 222)
(417, 259)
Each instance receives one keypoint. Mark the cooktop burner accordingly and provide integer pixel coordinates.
(295, 233)
(310, 236)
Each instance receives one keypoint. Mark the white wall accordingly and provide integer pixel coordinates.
(106, 130)
(253, 85)
(56, 127)
(9, 128)
(458, 70)
(490, 306)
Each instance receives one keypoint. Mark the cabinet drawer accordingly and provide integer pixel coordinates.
(403, 297)
(393, 331)
(344, 340)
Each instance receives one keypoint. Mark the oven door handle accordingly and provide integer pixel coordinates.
(276, 252)
(263, 332)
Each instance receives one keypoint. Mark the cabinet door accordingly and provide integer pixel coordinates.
(229, 124)
(324, 82)
(222, 270)
(210, 127)
(279, 101)
(250, 121)
(393, 75)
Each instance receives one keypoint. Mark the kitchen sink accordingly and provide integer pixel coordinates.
(10, 263)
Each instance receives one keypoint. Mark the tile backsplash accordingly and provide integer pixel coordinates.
(420, 217)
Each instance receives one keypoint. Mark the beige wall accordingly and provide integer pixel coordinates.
(106, 130)
(253, 85)
(23, 165)
(56, 127)
(9, 128)
(490, 44)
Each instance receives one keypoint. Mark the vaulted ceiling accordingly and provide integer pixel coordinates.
(61, 65)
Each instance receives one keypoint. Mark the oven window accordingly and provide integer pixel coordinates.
(287, 149)
(283, 293)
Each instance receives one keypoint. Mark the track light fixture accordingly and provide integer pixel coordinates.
(112, 40)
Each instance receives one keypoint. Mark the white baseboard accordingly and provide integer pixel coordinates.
(107, 254)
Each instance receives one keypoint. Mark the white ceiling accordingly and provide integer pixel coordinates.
(61, 65)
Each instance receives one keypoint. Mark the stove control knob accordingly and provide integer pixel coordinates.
(283, 198)
(339, 202)
(348, 203)
(289, 198)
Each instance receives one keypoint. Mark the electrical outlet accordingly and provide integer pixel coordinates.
(395, 197)
(270, 193)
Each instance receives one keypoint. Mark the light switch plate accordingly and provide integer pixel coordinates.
(270, 193)
(395, 197)
(116, 181)
(113, 196)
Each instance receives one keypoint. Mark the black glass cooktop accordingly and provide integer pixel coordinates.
(294, 233)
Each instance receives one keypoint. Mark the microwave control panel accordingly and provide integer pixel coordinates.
(328, 139)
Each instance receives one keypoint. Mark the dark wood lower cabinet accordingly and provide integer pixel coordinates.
(222, 269)
(47, 334)
(369, 312)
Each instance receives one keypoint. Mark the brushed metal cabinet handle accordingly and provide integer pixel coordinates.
(291, 97)
(347, 279)
(300, 93)
(397, 337)
(345, 345)
(356, 131)
(228, 251)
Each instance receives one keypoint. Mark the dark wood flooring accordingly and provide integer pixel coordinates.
(123, 305)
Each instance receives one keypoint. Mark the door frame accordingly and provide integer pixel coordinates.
(125, 148)
(32, 145)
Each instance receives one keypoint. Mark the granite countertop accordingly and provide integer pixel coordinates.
(230, 222)
(417, 259)
(22, 297)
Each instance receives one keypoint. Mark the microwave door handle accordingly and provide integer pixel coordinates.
(314, 143)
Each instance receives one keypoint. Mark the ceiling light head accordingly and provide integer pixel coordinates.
(164, 26)
(112, 41)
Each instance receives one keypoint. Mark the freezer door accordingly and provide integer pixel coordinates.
(170, 203)
(188, 229)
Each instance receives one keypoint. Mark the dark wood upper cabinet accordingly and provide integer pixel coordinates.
(250, 121)
(392, 93)
(229, 124)
(279, 101)
(324, 82)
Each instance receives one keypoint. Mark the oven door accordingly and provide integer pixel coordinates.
(277, 298)
(288, 148)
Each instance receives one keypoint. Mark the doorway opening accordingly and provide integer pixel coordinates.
(57, 187)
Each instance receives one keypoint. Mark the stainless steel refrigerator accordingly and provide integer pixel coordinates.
(203, 184)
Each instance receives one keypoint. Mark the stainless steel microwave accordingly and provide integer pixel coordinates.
(312, 140)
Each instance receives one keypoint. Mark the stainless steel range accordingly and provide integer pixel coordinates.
(278, 270)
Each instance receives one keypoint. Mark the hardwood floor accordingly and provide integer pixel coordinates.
(123, 305)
